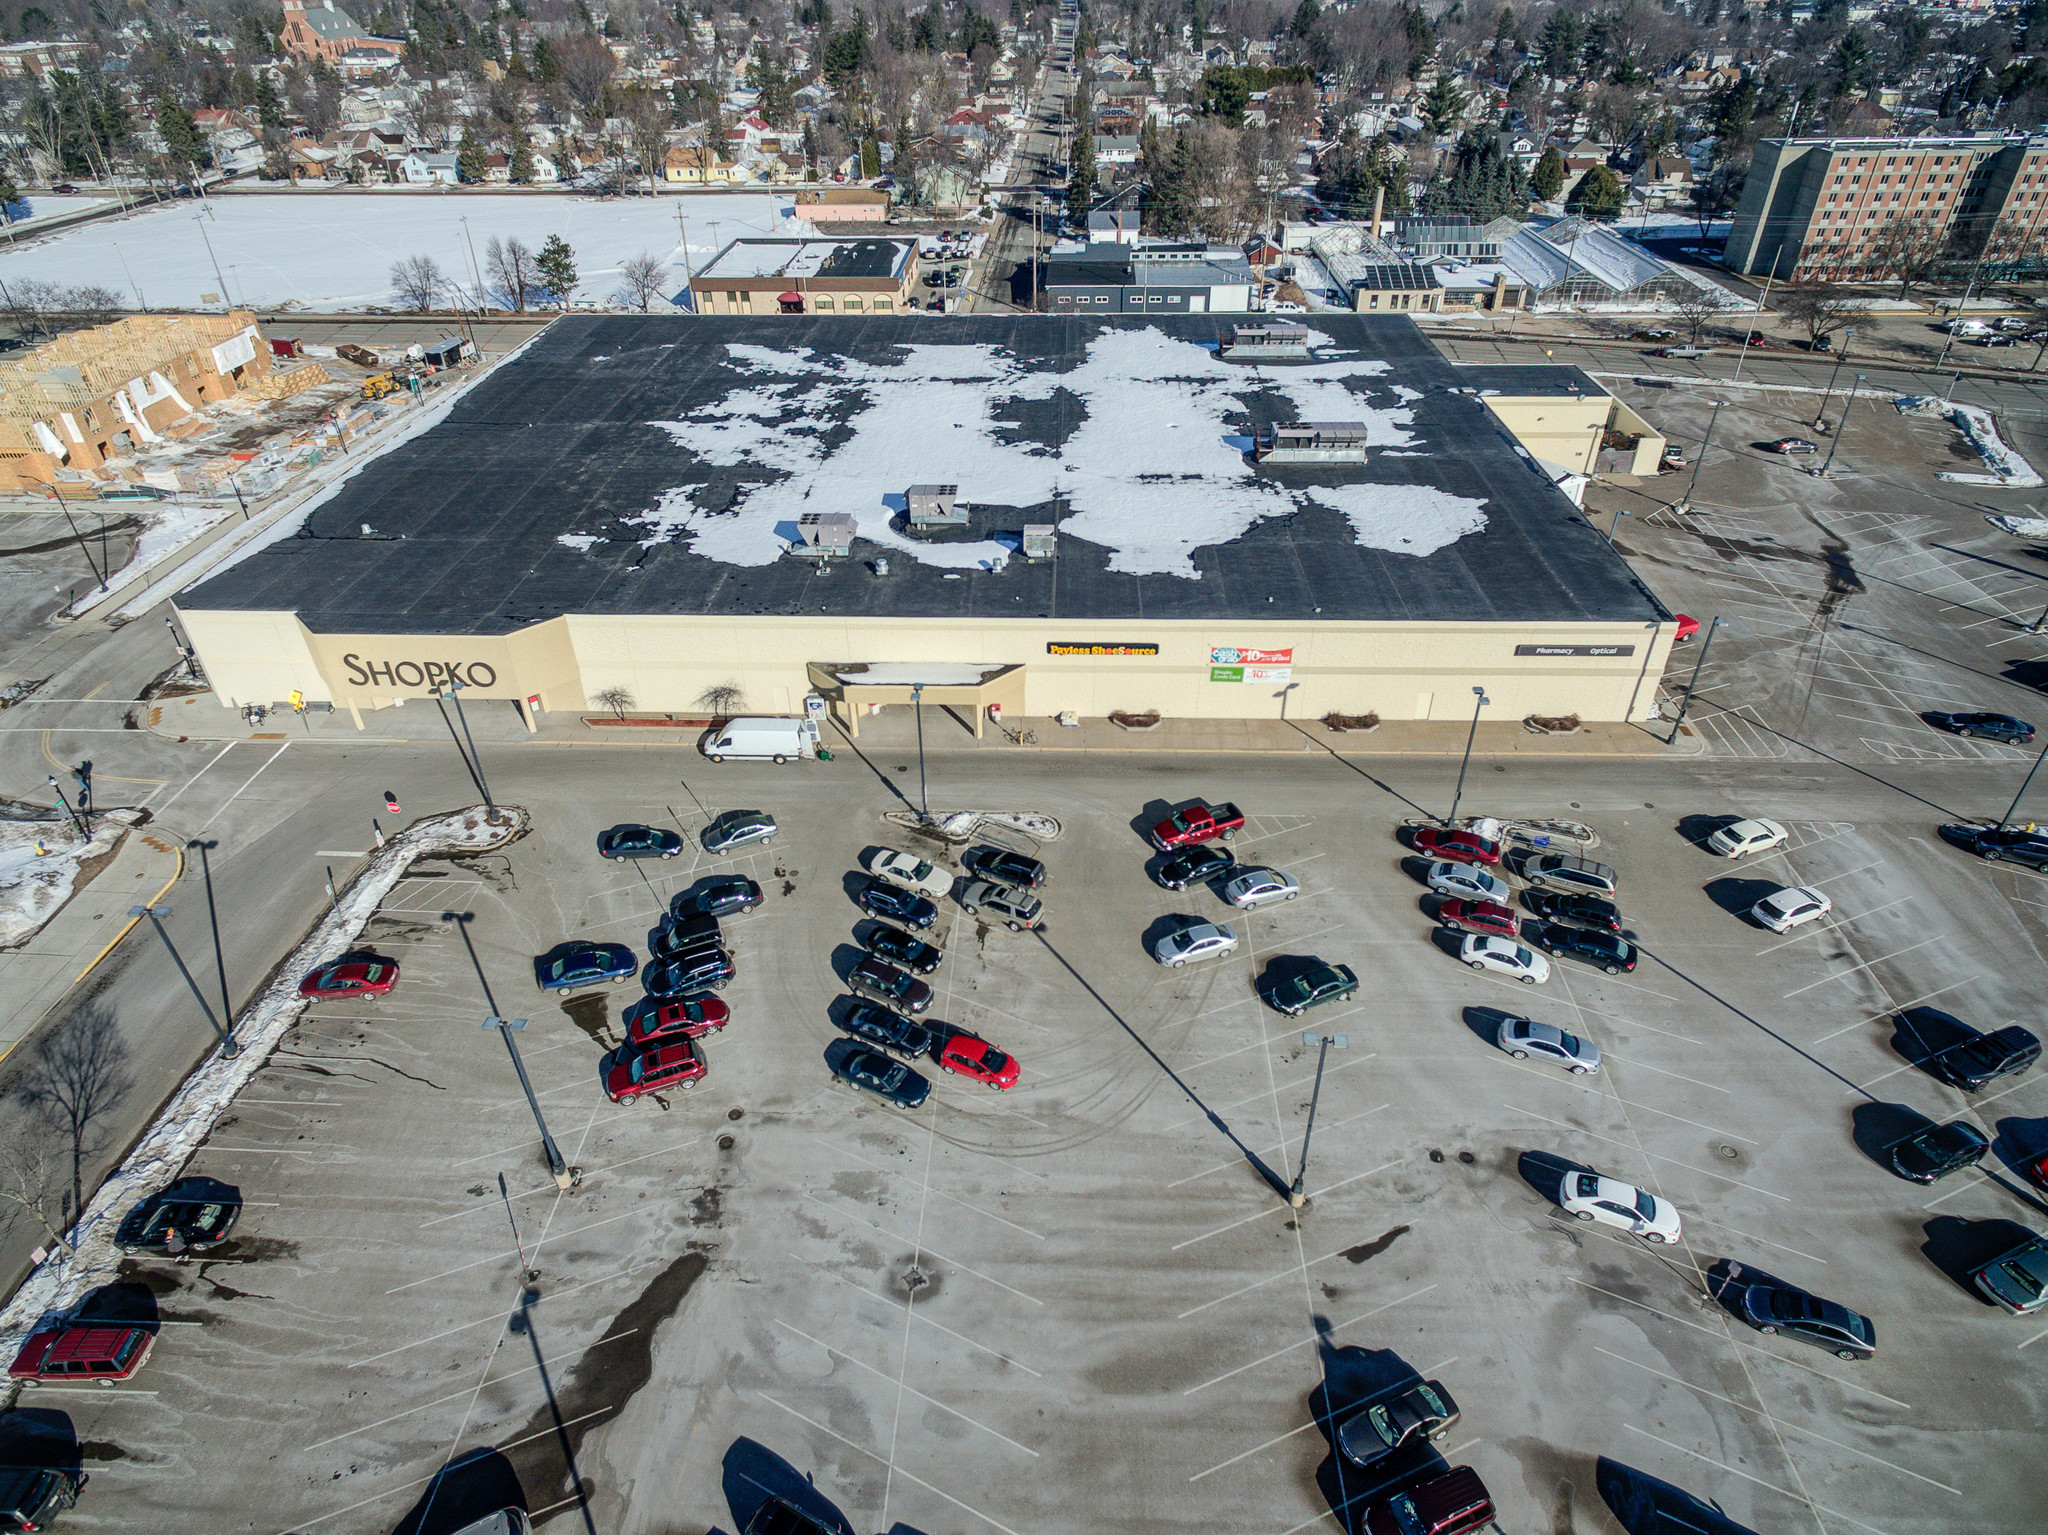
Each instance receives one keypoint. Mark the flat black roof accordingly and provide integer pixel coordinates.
(469, 517)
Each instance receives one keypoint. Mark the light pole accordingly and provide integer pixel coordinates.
(455, 687)
(1843, 430)
(1295, 1196)
(1479, 701)
(1702, 661)
(156, 914)
(77, 821)
(1685, 501)
(2025, 783)
(227, 1007)
(924, 807)
(1820, 416)
(506, 1028)
(1614, 524)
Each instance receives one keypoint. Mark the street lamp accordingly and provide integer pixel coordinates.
(227, 1007)
(1702, 661)
(507, 1027)
(1821, 416)
(924, 807)
(1843, 429)
(77, 822)
(1479, 701)
(455, 687)
(156, 914)
(1614, 524)
(2013, 809)
(1295, 1196)
(1685, 501)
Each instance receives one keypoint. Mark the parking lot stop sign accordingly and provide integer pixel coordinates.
(391, 802)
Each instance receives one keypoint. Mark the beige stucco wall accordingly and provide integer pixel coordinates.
(1559, 429)
(1398, 670)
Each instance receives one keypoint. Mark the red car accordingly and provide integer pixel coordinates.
(685, 1018)
(2037, 1169)
(1479, 917)
(1455, 846)
(966, 1056)
(1686, 628)
(82, 1352)
(629, 1072)
(368, 978)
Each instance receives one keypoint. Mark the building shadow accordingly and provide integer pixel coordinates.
(471, 1487)
(1643, 1505)
(751, 1474)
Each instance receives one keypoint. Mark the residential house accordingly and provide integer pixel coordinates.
(696, 165)
(423, 169)
(1116, 149)
(36, 60)
(843, 205)
(1663, 180)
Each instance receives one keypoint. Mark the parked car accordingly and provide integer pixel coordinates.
(1505, 957)
(877, 1026)
(677, 1018)
(1795, 906)
(911, 872)
(896, 989)
(201, 1211)
(1578, 910)
(1741, 838)
(966, 1055)
(872, 1072)
(1679, 351)
(736, 829)
(1756, 338)
(1793, 445)
(350, 980)
(1602, 950)
(1198, 940)
(698, 970)
(1976, 1060)
(634, 1070)
(1486, 917)
(1525, 1037)
(1468, 883)
(1194, 866)
(1422, 1411)
(32, 1496)
(723, 895)
(1312, 987)
(1259, 886)
(679, 936)
(2017, 1279)
(1684, 628)
(1013, 908)
(585, 964)
(1010, 868)
(1673, 457)
(73, 1354)
(1199, 822)
(899, 948)
(1772, 1306)
(1454, 846)
(1928, 1155)
(1610, 1202)
(1455, 1503)
(638, 842)
(1993, 727)
(906, 906)
(1991, 843)
(1569, 873)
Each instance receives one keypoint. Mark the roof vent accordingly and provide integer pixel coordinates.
(1038, 540)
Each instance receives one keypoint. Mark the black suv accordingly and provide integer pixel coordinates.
(899, 948)
(906, 906)
(32, 1496)
(723, 896)
(891, 1031)
(886, 984)
(1977, 1063)
(698, 970)
(1007, 868)
(1937, 1151)
(696, 932)
(1603, 950)
(1576, 910)
(1195, 866)
(1991, 843)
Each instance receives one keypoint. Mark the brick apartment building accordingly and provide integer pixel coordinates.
(1848, 210)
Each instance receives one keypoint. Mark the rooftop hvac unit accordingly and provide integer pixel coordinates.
(935, 506)
(1313, 442)
(1038, 540)
(825, 534)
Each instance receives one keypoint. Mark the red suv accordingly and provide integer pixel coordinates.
(1455, 846)
(628, 1073)
(1455, 1503)
(84, 1351)
(1479, 917)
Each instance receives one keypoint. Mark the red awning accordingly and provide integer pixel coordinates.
(790, 298)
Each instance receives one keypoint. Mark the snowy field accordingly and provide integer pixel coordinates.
(335, 251)
(44, 206)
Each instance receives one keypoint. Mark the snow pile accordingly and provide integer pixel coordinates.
(188, 1118)
(39, 862)
(2007, 467)
(580, 542)
(171, 524)
(1153, 471)
(2035, 528)
(961, 825)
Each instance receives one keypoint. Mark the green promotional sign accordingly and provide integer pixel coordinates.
(1226, 674)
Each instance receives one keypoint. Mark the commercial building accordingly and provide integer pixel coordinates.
(843, 205)
(1160, 277)
(1849, 210)
(807, 277)
(624, 509)
(1407, 286)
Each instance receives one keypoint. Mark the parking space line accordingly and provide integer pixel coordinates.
(512, 1253)
(1356, 1061)
(964, 1204)
(1838, 975)
(924, 1248)
(906, 1306)
(1266, 1042)
(1890, 1011)
(1696, 1124)
(1248, 1454)
(1630, 1060)
(1258, 1284)
(1839, 920)
(1276, 1146)
(1275, 1209)
(521, 1146)
(2031, 1341)
(1306, 1342)
(499, 1316)
(921, 1396)
(1807, 1503)
(1659, 1156)
(1708, 1220)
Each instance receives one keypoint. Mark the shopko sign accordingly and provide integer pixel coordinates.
(419, 674)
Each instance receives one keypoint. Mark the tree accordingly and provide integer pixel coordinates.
(722, 699)
(522, 166)
(1695, 305)
(418, 282)
(871, 156)
(641, 280)
(1484, 182)
(1598, 195)
(1223, 92)
(1306, 15)
(1717, 194)
(585, 68)
(1562, 41)
(181, 136)
(472, 163)
(615, 698)
(1911, 250)
(509, 268)
(1820, 310)
(556, 265)
(1081, 179)
(1547, 180)
(1443, 106)
(76, 1081)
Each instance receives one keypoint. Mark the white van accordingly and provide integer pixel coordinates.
(759, 740)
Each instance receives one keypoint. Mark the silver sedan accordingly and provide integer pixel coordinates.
(1255, 887)
(1200, 940)
(1524, 1037)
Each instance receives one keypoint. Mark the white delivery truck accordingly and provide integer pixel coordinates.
(760, 740)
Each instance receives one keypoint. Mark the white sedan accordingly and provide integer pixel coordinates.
(911, 872)
(1200, 940)
(1593, 1197)
(1255, 887)
(1505, 956)
(1792, 907)
(1461, 879)
(1746, 837)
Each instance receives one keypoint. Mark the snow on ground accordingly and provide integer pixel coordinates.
(2008, 467)
(34, 883)
(168, 525)
(186, 1121)
(1153, 471)
(45, 206)
(335, 251)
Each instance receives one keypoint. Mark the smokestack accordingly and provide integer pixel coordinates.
(1379, 201)
(1500, 291)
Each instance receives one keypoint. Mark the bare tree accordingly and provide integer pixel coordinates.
(641, 280)
(509, 267)
(1697, 305)
(1911, 250)
(32, 1183)
(418, 281)
(722, 698)
(587, 68)
(431, 113)
(78, 1077)
(615, 698)
(1820, 310)
(646, 116)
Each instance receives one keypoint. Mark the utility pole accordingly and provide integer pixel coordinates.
(200, 219)
(1821, 416)
(1295, 1196)
(1843, 430)
(1479, 701)
(507, 1027)
(227, 1006)
(924, 804)
(455, 687)
(1685, 501)
(1696, 666)
(228, 1048)
(77, 822)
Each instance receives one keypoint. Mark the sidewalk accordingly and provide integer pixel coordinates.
(36, 976)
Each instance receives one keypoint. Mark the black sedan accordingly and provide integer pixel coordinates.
(1602, 950)
(1574, 910)
(906, 906)
(1991, 843)
(873, 1072)
(1992, 727)
(899, 948)
(1007, 868)
(1195, 866)
(889, 1031)
(1937, 1151)
(698, 970)
(192, 1215)
(681, 937)
(726, 895)
(894, 988)
(638, 842)
(1773, 1306)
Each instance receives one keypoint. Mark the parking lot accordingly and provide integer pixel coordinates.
(1084, 1303)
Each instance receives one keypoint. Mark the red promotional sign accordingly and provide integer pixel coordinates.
(1230, 655)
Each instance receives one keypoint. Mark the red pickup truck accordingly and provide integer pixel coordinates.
(1200, 822)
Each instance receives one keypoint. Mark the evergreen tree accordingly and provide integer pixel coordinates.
(1484, 183)
(1598, 194)
(1081, 180)
(269, 105)
(1563, 40)
(1443, 105)
(1306, 15)
(1548, 178)
(871, 156)
(557, 267)
(1172, 209)
(181, 135)
(546, 67)
(522, 156)
(471, 163)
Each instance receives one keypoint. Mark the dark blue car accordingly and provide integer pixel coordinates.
(873, 1072)
(702, 969)
(873, 1025)
(905, 906)
(585, 964)
(724, 895)
(1993, 727)
(638, 842)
